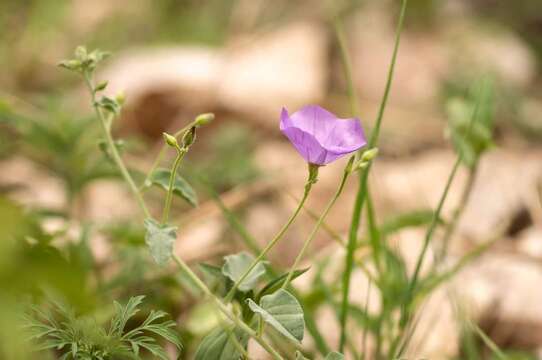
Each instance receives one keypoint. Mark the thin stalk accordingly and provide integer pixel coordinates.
(435, 218)
(316, 228)
(363, 179)
(169, 196)
(225, 310)
(113, 149)
(450, 229)
(273, 242)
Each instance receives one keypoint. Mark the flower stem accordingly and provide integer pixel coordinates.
(316, 228)
(169, 196)
(113, 149)
(313, 172)
(364, 175)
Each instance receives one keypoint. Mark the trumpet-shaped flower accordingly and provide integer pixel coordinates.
(321, 137)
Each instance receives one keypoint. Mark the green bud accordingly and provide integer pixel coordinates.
(74, 65)
(101, 86)
(120, 98)
(81, 53)
(204, 119)
(189, 137)
(369, 155)
(170, 140)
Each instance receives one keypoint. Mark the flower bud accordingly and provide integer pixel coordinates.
(120, 98)
(189, 137)
(204, 119)
(170, 140)
(369, 155)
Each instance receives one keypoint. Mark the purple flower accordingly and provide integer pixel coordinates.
(319, 136)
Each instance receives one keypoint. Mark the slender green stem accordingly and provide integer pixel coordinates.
(362, 188)
(225, 310)
(273, 242)
(173, 176)
(113, 149)
(450, 228)
(316, 228)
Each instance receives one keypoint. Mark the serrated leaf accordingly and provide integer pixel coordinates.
(235, 267)
(160, 239)
(218, 345)
(277, 282)
(334, 355)
(283, 312)
(181, 187)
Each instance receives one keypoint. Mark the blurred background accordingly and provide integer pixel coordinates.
(244, 60)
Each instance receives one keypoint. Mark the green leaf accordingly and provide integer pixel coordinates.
(283, 312)
(214, 278)
(277, 282)
(236, 265)
(160, 239)
(181, 187)
(405, 220)
(334, 356)
(219, 345)
(300, 356)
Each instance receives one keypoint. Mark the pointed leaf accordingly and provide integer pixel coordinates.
(160, 239)
(181, 187)
(283, 312)
(218, 345)
(236, 265)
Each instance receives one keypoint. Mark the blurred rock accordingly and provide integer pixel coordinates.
(30, 185)
(281, 68)
(105, 200)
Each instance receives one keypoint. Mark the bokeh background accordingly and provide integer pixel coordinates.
(244, 60)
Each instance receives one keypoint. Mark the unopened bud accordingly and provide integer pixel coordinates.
(189, 137)
(369, 155)
(121, 98)
(204, 119)
(170, 140)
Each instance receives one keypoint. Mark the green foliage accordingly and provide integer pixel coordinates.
(62, 143)
(82, 338)
(160, 239)
(277, 283)
(222, 344)
(471, 139)
(181, 187)
(85, 62)
(236, 265)
(283, 312)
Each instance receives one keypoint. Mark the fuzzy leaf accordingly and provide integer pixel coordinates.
(181, 187)
(236, 265)
(219, 345)
(160, 239)
(283, 312)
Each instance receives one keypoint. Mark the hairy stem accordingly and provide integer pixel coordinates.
(363, 179)
(273, 242)
(169, 196)
(113, 149)
(315, 229)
